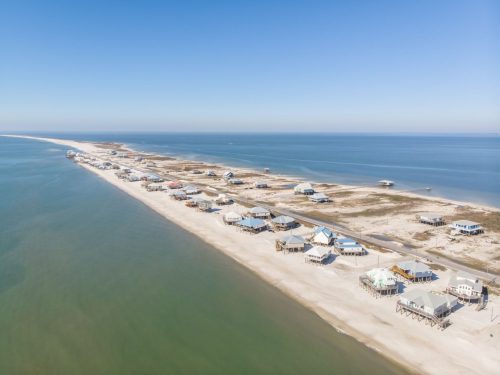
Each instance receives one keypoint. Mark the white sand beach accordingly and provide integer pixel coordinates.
(469, 346)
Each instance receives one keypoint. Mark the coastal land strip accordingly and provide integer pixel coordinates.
(382, 220)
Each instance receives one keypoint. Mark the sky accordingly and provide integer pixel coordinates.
(335, 66)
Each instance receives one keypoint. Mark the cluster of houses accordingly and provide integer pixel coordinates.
(432, 307)
(306, 188)
(466, 227)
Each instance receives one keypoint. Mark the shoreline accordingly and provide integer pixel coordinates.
(256, 254)
(314, 181)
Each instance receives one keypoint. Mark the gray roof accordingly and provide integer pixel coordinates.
(250, 222)
(318, 251)
(293, 240)
(424, 298)
(414, 267)
(467, 223)
(318, 196)
(461, 278)
(259, 210)
(283, 220)
(431, 216)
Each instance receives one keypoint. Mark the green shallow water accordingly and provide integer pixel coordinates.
(93, 282)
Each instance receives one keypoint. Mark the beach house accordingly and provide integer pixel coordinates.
(133, 178)
(231, 218)
(427, 305)
(252, 225)
(430, 218)
(259, 212)
(413, 271)
(151, 177)
(227, 175)
(465, 286)
(154, 187)
(319, 198)
(317, 254)
(235, 181)
(179, 195)
(210, 173)
(290, 243)
(379, 281)
(348, 246)
(322, 236)
(200, 203)
(261, 184)
(121, 174)
(174, 185)
(204, 205)
(191, 190)
(223, 199)
(283, 222)
(304, 188)
(467, 227)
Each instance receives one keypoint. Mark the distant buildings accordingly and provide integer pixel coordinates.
(223, 199)
(232, 218)
(304, 188)
(467, 227)
(261, 185)
(191, 190)
(174, 185)
(431, 219)
(319, 198)
(234, 181)
(227, 175)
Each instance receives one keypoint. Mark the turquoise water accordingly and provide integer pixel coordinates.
(458, 167)
(93, 282)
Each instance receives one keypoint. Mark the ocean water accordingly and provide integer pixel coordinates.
(465, 168)
(93, 282)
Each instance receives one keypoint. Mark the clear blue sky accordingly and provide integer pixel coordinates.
(250, 65)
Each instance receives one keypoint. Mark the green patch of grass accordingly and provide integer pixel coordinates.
(382, 211)
(423, 236)
(394, 198)
(319, 215)
(436, 267)
(343, 193)
(466, 261)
